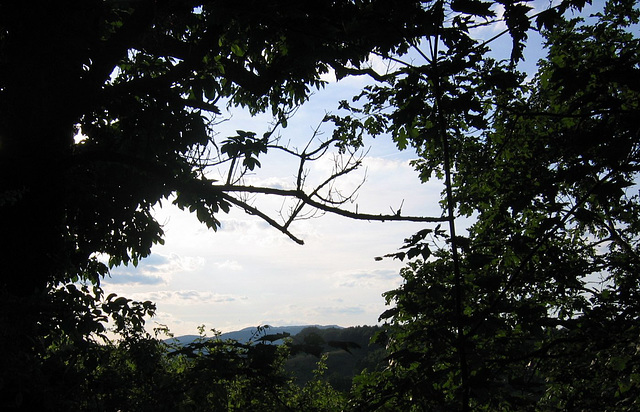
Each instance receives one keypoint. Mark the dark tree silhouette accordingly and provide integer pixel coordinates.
(534, 305)
(144, 82)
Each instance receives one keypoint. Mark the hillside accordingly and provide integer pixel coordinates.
(348, 350)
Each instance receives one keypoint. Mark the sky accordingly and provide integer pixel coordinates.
(249, 274)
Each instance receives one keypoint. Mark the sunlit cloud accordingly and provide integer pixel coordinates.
(156, 269)
(368, 279)
(232, 265)
(310, 314)
(340, 310)
(273, 182)
(187, 297)
(243, 225)
(121, 278)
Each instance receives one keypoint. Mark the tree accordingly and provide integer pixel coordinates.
(535, 307)
(143, 373)
(109, 107)
(142, 81)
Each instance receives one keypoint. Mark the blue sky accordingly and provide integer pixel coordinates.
(249, 274)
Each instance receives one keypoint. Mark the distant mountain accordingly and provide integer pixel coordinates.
(349, 350)
(251, 333)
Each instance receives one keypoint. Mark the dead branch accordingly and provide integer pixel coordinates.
(304, 197)
(255, 211)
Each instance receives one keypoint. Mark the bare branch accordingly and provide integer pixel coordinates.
(254, 211)
(324, 207)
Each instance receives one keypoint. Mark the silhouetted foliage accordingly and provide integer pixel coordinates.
(108, 108)
(535, 307)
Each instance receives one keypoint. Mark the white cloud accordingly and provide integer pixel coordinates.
(156, 269)
(379, 279)
(187, 297)
(271, 181)
(124, 278)
(187, 263)
(340, 310)
(232, 265)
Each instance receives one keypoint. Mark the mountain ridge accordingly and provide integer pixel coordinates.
(251, 333)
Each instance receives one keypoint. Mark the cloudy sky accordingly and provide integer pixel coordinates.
(249, 274)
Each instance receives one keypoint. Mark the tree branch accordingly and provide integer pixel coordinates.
(254, 211)
(299, 194)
